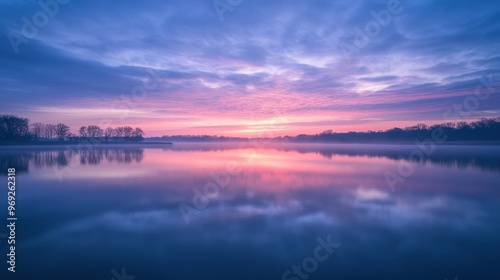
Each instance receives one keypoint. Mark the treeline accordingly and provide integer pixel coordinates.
(196, 138)
(481, 130)
(16, 129)
(119, 134)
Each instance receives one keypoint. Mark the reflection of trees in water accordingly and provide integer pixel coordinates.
(483, 161)
(482, 157)
(50, 158)
(130, 156)
(60, 158)
(91, 157)
(19, 162)
(94, 157)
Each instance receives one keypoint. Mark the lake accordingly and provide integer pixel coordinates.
(245, 211)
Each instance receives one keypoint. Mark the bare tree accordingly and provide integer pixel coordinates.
(128, 131)
(94, 131)
(50, 130)
(138, 134)
(119, 132)
(108, 133)
(62, 131)
(12, 127)
(83, 131)
(37, 130)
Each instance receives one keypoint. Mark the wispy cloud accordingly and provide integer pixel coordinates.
(265, 60)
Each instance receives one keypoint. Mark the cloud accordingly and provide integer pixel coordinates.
(265, 57)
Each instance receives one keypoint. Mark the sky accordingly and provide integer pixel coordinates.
(250, 68)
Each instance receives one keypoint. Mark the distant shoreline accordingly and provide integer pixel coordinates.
(75, 143)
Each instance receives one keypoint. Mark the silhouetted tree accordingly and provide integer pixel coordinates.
(14, 128)
(83, 131)
(138, 134)
(119, 132)
(94, 131)
(50, 130)
(108, 133)
(62, 131)
(127, 131)
(37, 130)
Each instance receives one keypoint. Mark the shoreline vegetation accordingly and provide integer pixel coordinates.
(19, 131)
(85, 143)
(481, 132)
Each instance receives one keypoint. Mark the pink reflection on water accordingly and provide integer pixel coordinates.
(270, 170)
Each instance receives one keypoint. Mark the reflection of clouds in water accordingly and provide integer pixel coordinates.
(279, 233)
(241, 221)
(408, 212)
(271, 212)
(371, 194)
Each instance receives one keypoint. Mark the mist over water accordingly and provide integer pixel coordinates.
(85, 212)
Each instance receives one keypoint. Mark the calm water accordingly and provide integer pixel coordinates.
(89, 213)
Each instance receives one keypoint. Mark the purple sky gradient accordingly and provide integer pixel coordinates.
(276, 67)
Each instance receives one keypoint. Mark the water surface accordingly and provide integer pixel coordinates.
(86, 212)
